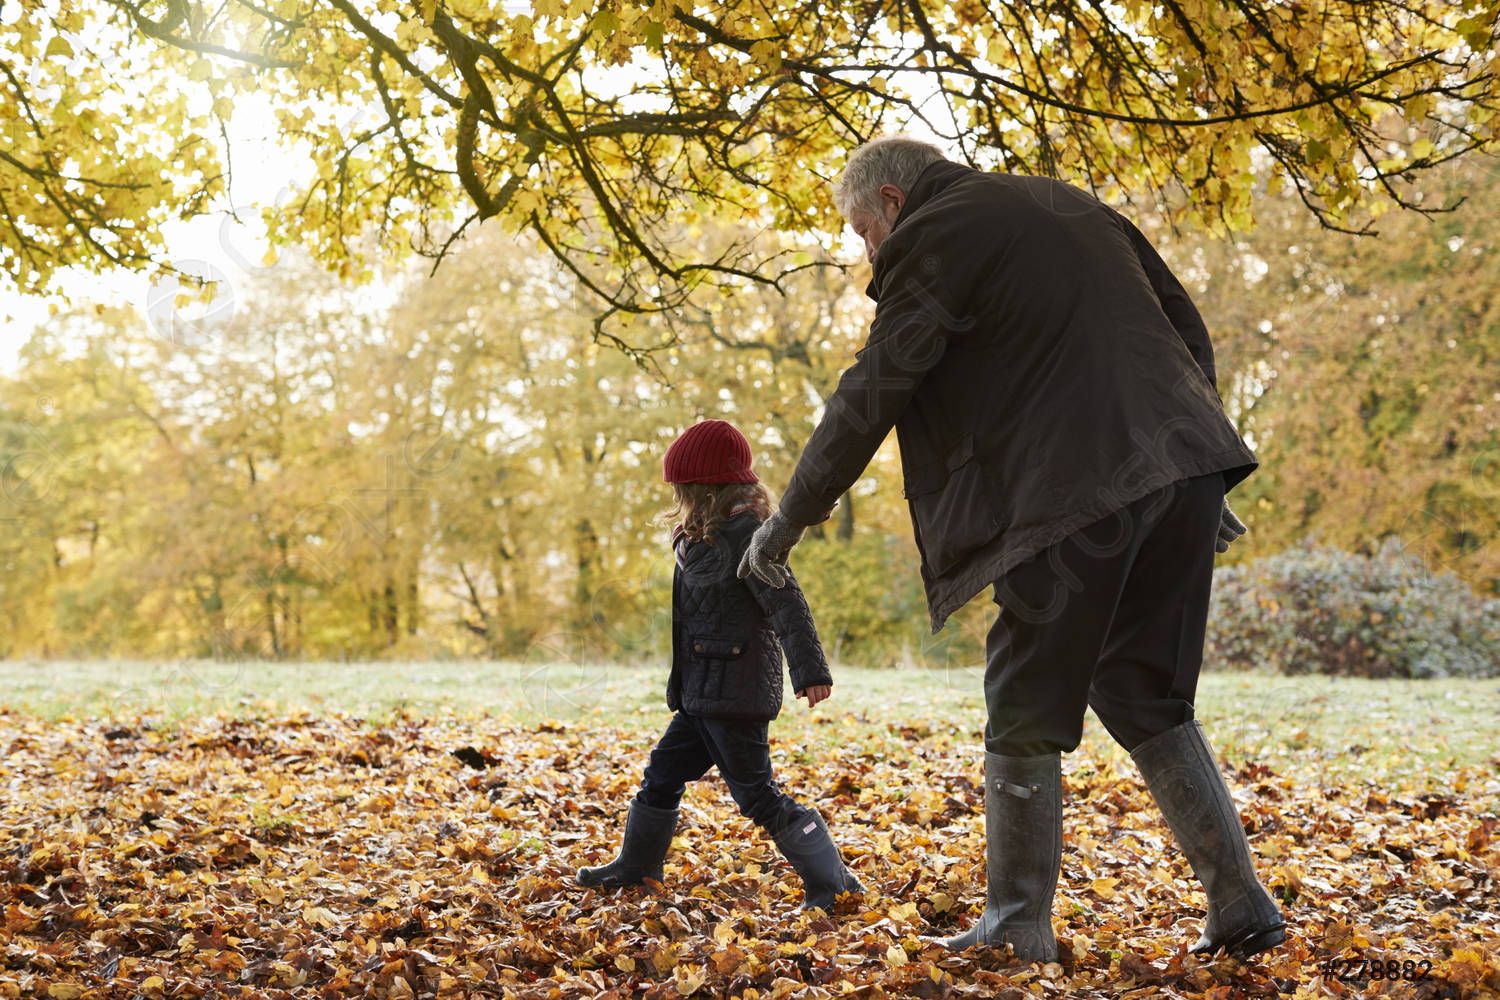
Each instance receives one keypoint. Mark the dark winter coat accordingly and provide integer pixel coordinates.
(728, 634)
(1042, 368)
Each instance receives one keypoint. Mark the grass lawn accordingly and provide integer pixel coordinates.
(1344, 727)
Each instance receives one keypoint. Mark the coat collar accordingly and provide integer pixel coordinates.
(934, 178)
(679, 532)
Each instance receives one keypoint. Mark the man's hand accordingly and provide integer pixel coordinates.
(816, 693)
(1230, 528)
(769, 546)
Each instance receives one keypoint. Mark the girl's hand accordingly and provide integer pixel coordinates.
(816, 693)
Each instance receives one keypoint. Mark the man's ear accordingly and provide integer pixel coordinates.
(892, 198)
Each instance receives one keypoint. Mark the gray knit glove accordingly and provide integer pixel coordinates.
(768, 547)
(1230, 528)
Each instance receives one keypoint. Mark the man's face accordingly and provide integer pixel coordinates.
(874, 227)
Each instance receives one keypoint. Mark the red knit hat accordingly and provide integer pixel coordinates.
(710, 451)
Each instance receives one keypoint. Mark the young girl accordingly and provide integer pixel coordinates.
(728, 636)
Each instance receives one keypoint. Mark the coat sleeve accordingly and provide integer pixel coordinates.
(922, 292)
(1175, 301)
(792, 620)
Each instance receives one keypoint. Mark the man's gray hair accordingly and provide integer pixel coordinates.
(890, 159)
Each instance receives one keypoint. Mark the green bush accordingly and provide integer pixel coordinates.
(865, 595)
(1326, 611)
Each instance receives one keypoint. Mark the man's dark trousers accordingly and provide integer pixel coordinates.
(1112, 617)
(741, 750)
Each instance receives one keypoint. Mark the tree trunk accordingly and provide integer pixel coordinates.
(481, 626)
(586, 542)
(845, 529)
(284, 601)
(391, 609)
(413, 605)
(270, 598)
(295, 625)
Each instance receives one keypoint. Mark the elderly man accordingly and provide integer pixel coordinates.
(1062, 440)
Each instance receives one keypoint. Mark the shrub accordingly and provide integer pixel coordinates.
(865, 595)
(1323, 610)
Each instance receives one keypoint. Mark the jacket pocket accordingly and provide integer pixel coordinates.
(955, 504)
(718, 654)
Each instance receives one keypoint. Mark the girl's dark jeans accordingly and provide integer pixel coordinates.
(742, 753)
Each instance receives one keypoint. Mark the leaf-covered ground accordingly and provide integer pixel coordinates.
(322, 855)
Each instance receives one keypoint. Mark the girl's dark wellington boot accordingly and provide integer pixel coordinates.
(807, 844)
(648, 834)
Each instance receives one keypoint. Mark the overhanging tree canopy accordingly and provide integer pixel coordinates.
(614, 129)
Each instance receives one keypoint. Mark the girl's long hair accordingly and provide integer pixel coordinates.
(702, 507)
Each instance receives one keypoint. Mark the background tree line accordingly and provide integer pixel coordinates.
(454, 466)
